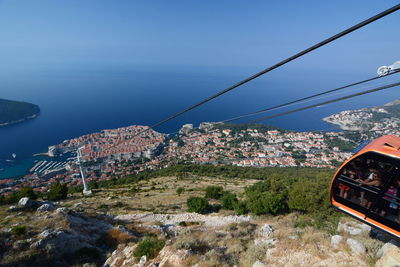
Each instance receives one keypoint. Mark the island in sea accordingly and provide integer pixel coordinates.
(16, 111)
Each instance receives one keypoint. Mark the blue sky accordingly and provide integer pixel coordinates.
(76, 34)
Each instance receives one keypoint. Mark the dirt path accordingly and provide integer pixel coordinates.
(208, 220)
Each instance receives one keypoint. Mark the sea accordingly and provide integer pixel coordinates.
(75, 102)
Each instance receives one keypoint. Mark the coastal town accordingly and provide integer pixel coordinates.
(371, 122)
(116, 153)
(126, 151)
(121, 152)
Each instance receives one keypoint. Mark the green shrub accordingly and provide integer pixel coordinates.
(228, 201)
(26, 191)
(57, 192)
(93, 184)
(149, 247)
(267, 197)
(267, 203)
(240, 207)
(308, 196)
(75, 189)
(214, 192)
(19, 230)
(180, 190)
(182, 223)
(197, 204)
(10, 199)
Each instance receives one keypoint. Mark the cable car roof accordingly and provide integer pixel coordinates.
(387, 144)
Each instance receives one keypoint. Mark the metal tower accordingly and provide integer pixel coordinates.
(86, 189)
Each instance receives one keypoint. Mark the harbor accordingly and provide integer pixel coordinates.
(45, 167)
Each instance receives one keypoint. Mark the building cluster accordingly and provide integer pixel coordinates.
(122, 143)
(373, 120)
(252, 147)
(127, 151)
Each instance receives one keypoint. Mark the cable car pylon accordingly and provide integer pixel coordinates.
(86, 189)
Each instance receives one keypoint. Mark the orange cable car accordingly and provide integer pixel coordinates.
(367, 186)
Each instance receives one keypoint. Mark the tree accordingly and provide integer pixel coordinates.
(93, 184)
(57, 192)
(214, 192)
(228, 201)
(240, 207)
(308, 196)
(198, 205)
(26, 192)
(267, 203)
(180, 190)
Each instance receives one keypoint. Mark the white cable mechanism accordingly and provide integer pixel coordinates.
(385, 70)
(86, 189)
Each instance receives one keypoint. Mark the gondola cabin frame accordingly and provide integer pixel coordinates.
(385, 152)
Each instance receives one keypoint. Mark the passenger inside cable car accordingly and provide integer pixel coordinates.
(370, 185)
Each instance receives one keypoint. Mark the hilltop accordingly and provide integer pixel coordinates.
(379, 119)
(16, 111)
(147, 223)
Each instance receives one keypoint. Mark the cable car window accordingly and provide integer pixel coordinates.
(360, 182)
(386, 210)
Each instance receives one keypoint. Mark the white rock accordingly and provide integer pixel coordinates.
(269, 242)
(63, 241)
(46, 233)
(12, 208)
(365, 227)
(46, 207)
(62, 210)
(382, 251)
(28, 203)
(128, 250)
(336, 240)
(259, 264)
(391, 258)
(267, 230)
(355, 246)
(354, 231)
(143, 260)
(23, 201)
(353, 228)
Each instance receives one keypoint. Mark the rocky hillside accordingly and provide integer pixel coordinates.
(123, 227)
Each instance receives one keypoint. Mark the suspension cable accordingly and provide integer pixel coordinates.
(277, 65)
(326, 102)
(304, 98)
(283, 62)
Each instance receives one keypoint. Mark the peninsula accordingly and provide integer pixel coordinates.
(16, 111)
(380, 119)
